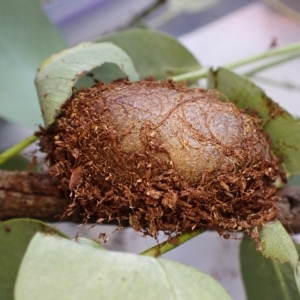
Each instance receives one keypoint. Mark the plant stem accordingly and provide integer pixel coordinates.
(194, 75)
(271, 53)
(172, 243)
(277, 83)
(16, 149)
(271, 64)
(201, 73)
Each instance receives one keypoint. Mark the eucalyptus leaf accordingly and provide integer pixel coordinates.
(265, 278)
(294, 180)
(297, 246)
(275, 243)
(17, 162)
(55, 268)
(27, 38)
(57, 76)
(154, 53)
(282, 128)
(15, 236)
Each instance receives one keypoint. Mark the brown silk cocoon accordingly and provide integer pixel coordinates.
(162, 156)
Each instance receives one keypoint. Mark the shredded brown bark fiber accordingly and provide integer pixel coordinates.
(162, 156)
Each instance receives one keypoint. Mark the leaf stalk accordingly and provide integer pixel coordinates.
(290, 50)
(17, 148)
(171, 243)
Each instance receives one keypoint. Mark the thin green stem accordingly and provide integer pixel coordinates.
(194, 75)
(271, 64)
(172, 243)
(277, 83)
(201, 73)
(17, 148)
(271, 53)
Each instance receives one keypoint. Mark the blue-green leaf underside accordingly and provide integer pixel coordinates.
(56, 268)
(15, 236)
(57, 76)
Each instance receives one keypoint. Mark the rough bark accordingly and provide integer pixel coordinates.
(32, 195)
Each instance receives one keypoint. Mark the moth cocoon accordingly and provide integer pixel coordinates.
(163, 156)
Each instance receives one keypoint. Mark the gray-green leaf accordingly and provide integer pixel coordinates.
(27, 38)
(266, 278)
(55, 268)
(154, 53)
(277, 244)
(15, 236)
(57, 76)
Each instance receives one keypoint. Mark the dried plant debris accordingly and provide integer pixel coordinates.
(162, 156)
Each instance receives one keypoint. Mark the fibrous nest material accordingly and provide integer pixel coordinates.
(162, 156)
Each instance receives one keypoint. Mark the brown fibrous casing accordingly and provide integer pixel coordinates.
(162, 156)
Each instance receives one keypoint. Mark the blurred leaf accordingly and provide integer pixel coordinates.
(275, 243)
(27, 38)
(52, 268)
(57, 76)
(297, 246)
(15, 163)
(108, 72)
(15, 236)
(154, 53)
(294, 180)
(283, 128)
(176, 7)
(191, 6)
(265, 278)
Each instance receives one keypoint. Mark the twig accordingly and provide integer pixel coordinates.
(21, 205)
(171, 243)
(32, 195)
(29, 183)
